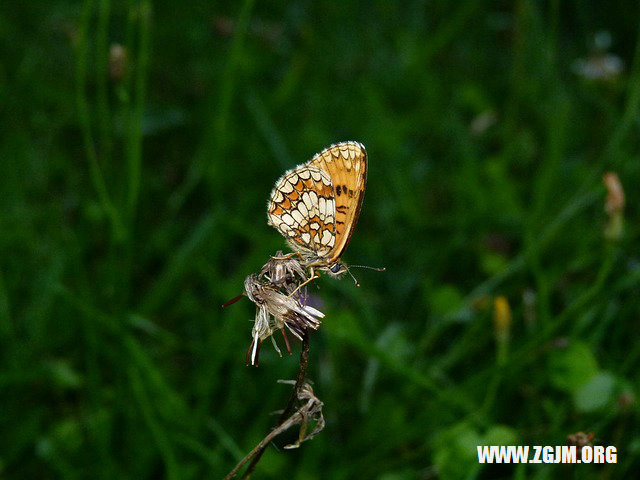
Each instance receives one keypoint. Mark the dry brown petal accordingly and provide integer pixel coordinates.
(615, 193)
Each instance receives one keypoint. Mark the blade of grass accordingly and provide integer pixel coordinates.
(546, 177)
(6, 325)
(160, 291)
(575, 206)
(268, 129)
(168, 402)
(159, 435)
(134, 132)
(199, 450)
(103, 110)
(84, 117)
(225, 439)
(208, 159)
(351, 333)
(629, 117)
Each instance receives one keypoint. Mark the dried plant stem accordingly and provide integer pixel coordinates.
(302, 373)
(287, 419)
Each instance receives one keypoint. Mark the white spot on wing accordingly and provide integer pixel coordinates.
(304, 174)
(331, 208)
(285, 187)
(297, 216)
(288, 219)
(310, 200)
(302, 208)
(322, 207)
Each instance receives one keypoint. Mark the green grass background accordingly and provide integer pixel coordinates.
(132, 206)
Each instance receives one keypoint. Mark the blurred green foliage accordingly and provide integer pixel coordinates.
(140, 141)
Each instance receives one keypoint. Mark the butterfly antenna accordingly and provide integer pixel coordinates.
(233, 300)
(377, 269)
(354, 278)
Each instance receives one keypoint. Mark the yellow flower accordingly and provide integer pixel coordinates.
(501, 318)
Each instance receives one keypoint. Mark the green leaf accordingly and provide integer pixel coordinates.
(456, 452)
(596, 394)
(572, 367)
(444, 299)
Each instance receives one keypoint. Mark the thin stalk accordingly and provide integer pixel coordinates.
(102, 74)
(134, 132)
(632, 106)
(84, 118)
(287, 419)
(209, 158)
(158, 434)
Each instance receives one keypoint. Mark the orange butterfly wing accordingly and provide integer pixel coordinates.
(346, 164)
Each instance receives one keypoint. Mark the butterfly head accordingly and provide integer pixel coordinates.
(338, 269)
(335, 270)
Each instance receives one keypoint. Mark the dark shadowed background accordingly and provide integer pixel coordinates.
(139, 142)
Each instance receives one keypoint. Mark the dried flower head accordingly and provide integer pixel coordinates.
(118, 62)
(580, 439)
(311, 410)
(615, 193)
(276, 310)
(284, 271)
(600, 65)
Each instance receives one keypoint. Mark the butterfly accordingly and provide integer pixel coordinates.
(315, 205)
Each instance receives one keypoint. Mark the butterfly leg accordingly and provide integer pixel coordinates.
(286, 256)
(313, 277)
